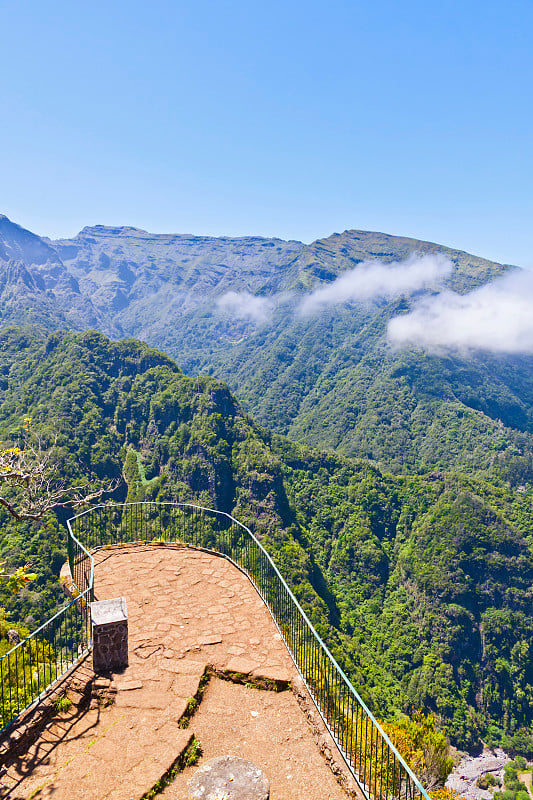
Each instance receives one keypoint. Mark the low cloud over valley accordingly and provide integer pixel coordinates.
(497, 317)
(372, 280)
(244, 305)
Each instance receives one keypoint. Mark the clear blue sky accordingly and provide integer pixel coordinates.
(294, 119)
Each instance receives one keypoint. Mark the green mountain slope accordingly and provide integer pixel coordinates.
(328, 378)
(432, 577)
(337, 383)
(108, 400)
(420, 585)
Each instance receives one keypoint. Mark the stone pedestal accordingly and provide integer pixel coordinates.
(109, 619)
(228, 778)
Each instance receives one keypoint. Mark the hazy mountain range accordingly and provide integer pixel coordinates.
(402, 351)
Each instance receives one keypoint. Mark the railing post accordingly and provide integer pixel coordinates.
(70, 553)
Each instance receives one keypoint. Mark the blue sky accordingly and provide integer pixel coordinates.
(286, 119)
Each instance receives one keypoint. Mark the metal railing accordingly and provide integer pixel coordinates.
(32, 667)
(376, 765)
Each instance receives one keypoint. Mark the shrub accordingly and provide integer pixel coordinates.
(424, 747)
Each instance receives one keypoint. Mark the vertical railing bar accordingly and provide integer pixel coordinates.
(365, 743)
(37, 667)
(15, 684)
(24, 674)
(387, 774)
(374, 761)
(350, 700)
(371, 772)
(358, 738)
(9, 680)
(392, 772)
(2, 718)
(381, 769)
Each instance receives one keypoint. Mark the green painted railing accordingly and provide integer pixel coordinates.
(32, 667)
(376, 765)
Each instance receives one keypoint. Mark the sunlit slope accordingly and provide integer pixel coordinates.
(419, 584)
(329, 377)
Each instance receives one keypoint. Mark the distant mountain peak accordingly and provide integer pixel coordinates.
(20, 244)
(6, 223)
(111, 230)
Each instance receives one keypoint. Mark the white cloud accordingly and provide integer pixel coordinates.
(244, 305)
(373, 279)
(497, 317)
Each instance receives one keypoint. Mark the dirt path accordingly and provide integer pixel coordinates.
(186, 609)
(525, 777)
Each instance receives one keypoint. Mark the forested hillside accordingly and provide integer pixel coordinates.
(319, 368)
(420, 584)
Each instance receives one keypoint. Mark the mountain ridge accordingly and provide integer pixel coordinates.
(230, 306)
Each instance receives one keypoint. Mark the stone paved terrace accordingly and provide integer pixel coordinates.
(187, 609)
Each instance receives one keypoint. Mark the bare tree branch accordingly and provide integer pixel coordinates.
(33, 476)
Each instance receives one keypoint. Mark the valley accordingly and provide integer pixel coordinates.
(420, 584)
(392, 484)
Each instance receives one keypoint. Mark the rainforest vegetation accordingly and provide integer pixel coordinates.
(420, 583)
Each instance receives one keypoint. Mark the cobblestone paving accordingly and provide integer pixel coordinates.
(186, 609)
